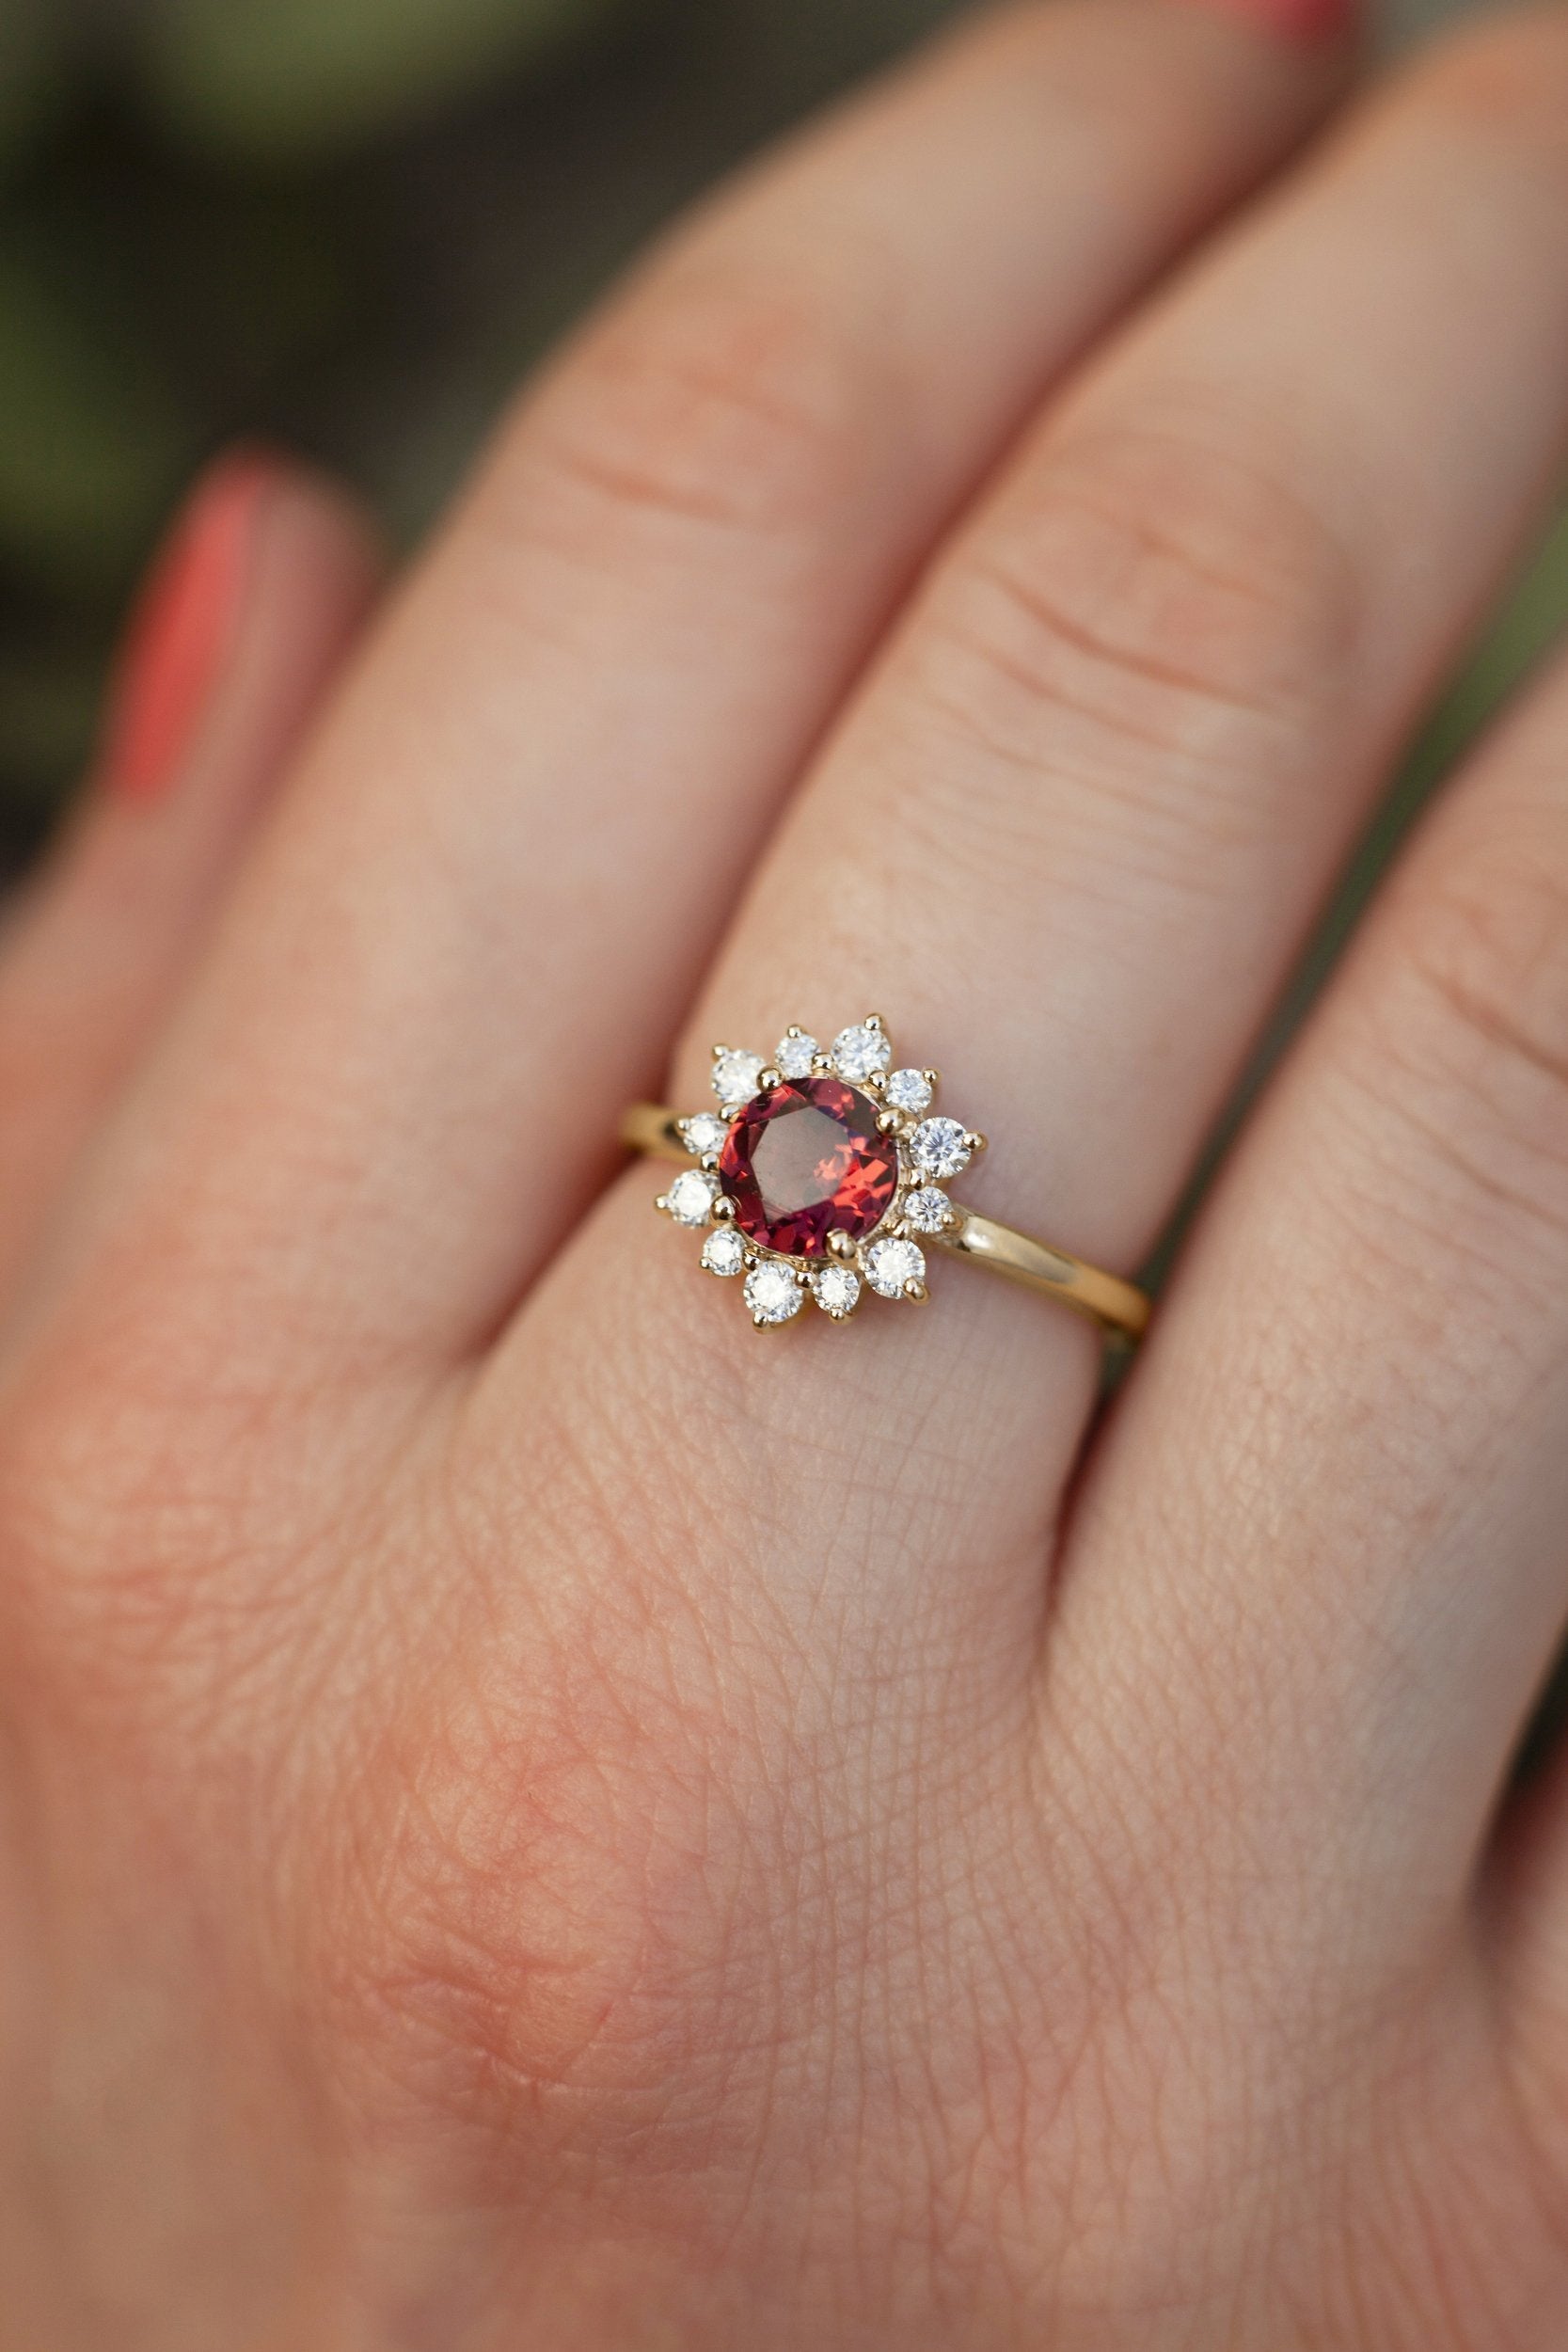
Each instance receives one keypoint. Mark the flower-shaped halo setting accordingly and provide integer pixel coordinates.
(820, 1174)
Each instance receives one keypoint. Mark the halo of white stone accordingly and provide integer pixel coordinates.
(909, 1090)
(836, 1289)
(795, 1054)
(861, 1051)
(736, 1075)
(892, 1264)
(773, 1291)
(938, 1147)
(926, 1210)
(724, 1251)
(703, 1134)
(691, 1198)
(929, 1152)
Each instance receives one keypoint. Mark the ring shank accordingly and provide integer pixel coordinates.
(1117, 1307)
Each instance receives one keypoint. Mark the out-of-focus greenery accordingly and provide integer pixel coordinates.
(347, 225)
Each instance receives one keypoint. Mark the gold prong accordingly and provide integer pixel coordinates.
(662, 1204)
(932, 1078)
(769, 1080)
(916, 1291)
(874, 1083)
(875, 1021)
(973, 1142)
(822, 1065)
(795, 1030)
(709, 1162)
(888, 1122)
(842, 1245)
(723, 1208)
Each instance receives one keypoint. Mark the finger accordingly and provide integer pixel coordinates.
(1080, 819)
(1349, 1432)
(244, 621)
(517, 839)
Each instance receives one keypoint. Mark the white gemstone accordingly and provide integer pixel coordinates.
(939, 1147)
(703, 1134)
(723, 1252)
(793, 1058)
(858, 1053)
(736, 1075)
(837, 1288)
(926, 1210)
(772, 1294)
(890, 1264)
(691, 1196)
(909, 1090)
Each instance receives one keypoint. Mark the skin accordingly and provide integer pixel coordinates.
(533, 1815)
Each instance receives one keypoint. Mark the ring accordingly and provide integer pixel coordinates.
(822, 1173)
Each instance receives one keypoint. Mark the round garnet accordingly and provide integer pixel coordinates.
(804, 1161)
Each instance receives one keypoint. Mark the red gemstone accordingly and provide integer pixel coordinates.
(806, 1161)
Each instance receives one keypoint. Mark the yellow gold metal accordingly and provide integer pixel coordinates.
(1117, 1306)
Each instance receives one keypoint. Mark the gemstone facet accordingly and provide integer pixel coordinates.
(772, 1294)
(939, 1147)
(909, 1090)
(807, 1160)
(723, 1252)
(926, 1210)
(691, 1196)
(736, 1075)
(890, 1264)
(860, 1052)
(702, 1133)
(794, 1056)
(838, 1289)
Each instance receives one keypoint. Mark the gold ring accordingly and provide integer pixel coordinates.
(822, 1175)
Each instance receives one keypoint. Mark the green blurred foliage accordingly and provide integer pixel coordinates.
(346, 224)
(270, 80)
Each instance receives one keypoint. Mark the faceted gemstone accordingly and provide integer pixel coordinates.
(890, 1264)
(926, 1210)
(691, 1196)
(703, 1132)
(806, 1161)
(860, 1052)
(772, 1294)
(838, 1289)
(736, 1075)
(939, 1147)
(723, 1252)
(794, 1056)
(909, 1090)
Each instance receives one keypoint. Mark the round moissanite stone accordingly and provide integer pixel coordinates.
(909, 1090)
(860, 1052)
(807, 1160)
(794, 1056)
(890, 1264)
(691, 1196)
(723, 1252)
(939, 1147)
(772, 1294)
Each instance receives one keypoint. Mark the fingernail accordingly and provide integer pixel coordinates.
(183, 627)
(1303, 21)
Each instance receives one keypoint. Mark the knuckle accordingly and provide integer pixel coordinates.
(1478, 1033)
(742, 402)
(1156, 606)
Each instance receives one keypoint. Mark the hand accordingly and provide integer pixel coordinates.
(538, 1816)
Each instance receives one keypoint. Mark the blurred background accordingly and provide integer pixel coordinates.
(350, 225)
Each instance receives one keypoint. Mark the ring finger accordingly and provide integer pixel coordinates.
(1071, 833)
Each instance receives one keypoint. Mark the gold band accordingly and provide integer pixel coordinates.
(1117, 1307)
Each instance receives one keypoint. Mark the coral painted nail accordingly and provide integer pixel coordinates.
(183, 627)
(1305, 21)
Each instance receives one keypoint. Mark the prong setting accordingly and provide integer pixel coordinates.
(859, 1240)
